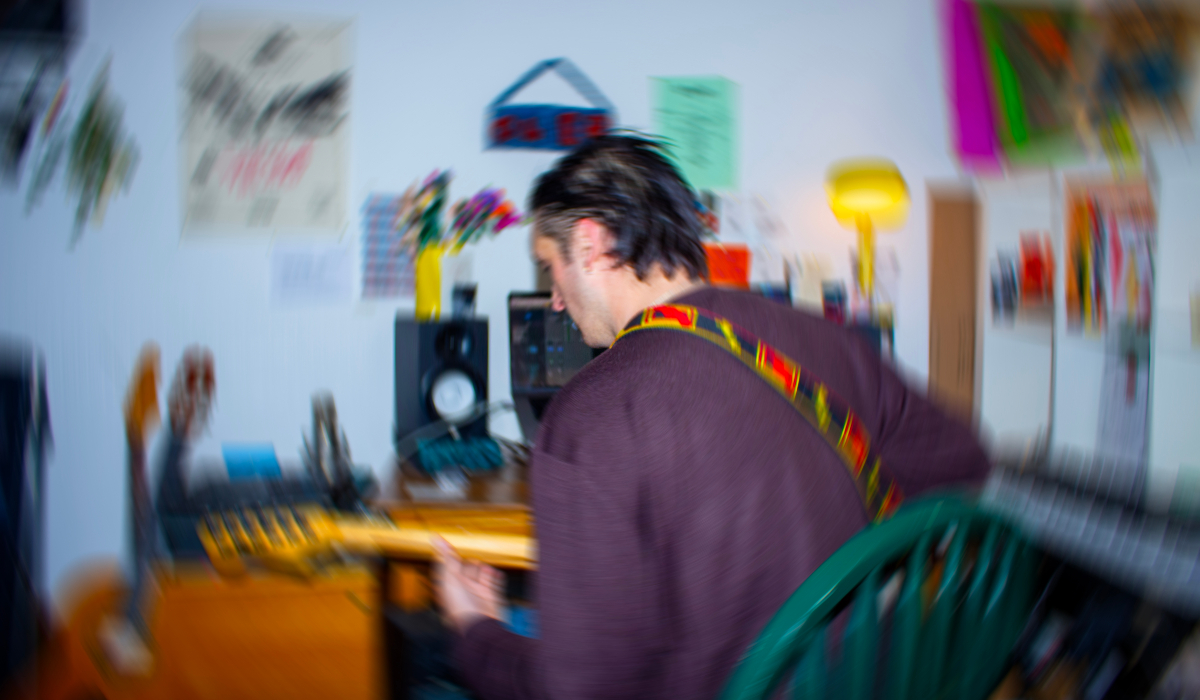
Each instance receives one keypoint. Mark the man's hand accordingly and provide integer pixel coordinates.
(467, 591)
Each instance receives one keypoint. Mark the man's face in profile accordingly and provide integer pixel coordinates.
(575, 290)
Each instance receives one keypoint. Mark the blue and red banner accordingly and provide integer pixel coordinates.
(548, 127)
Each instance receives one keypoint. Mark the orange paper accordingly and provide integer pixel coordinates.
(728, 264)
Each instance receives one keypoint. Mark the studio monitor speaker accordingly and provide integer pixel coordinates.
(441, 374)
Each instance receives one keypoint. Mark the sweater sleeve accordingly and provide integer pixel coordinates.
(922, 446)
(602, 629)
(497, 663)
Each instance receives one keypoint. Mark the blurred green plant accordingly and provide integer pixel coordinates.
(101, 156)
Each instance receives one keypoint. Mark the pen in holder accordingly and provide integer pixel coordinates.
(462, 301)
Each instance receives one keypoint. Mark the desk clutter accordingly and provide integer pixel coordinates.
(441, 384)
(258, 515)
(298, 524)
(254, 483)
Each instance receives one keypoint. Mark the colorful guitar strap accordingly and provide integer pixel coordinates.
(823, 409)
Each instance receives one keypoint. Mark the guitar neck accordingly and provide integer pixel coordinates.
(291, 537)
(503, 550)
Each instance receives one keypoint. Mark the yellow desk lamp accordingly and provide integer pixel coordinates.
(867, 194)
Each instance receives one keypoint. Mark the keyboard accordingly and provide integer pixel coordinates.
(1092, 516)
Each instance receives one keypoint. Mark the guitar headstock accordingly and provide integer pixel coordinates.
(141, 400)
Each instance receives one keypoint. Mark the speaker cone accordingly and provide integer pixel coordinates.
(453, 396)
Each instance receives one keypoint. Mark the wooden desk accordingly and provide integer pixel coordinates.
(262, 636)
(270, 635)
(506, 487)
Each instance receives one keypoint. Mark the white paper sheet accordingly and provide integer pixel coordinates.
(305, 275)
(265, 108)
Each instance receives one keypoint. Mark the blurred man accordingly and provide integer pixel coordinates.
(679, 497)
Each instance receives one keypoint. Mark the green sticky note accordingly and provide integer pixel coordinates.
(697, 117)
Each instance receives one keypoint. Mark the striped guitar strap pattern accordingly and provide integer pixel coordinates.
(824, 410)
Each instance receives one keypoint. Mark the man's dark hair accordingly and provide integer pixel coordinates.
(627, 184)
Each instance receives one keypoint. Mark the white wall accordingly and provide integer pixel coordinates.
(819, 82)
(1175, 364)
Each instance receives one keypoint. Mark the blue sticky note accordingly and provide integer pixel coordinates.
(251, 461)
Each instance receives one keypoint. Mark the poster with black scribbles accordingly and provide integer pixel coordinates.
(265, 111)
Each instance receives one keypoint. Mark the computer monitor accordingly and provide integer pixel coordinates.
(546, 350)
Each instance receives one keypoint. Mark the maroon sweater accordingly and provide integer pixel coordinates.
(680, 501)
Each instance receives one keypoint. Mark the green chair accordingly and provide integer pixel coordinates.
(957, 588)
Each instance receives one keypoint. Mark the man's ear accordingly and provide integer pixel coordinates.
(594, 241)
